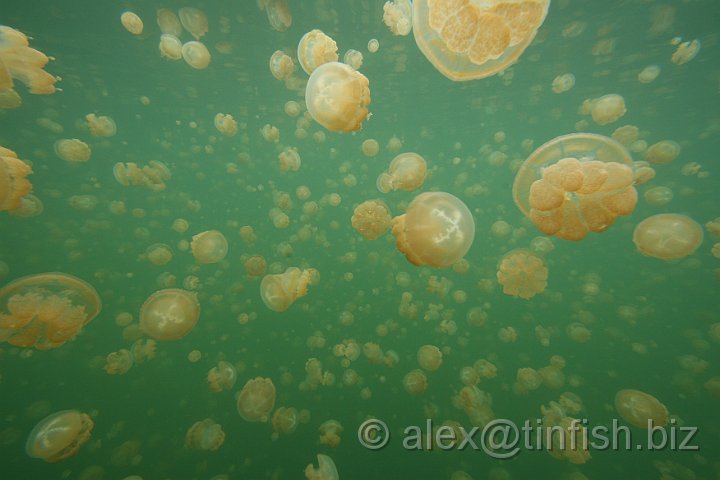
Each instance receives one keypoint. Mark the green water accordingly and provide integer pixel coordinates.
(141, 418)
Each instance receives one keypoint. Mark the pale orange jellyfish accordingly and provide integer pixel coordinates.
(255, 265)
(315, 49)
(640, 409)
(46, 310)
(371, 219)
(169, 22)
(170, 47)
(279, 291)
(30, 206)
(397, 16)
(278, 13)
(437, 230)
(429, 357)
(118, 363)
(465, 40)
(73, 150)
(196, 55)
(289, 159)
(169, 314)
(281, 65)
(209, 246)
(20, 62)
(205, 435)
(159, 254)
(330, 431)
(256, 400)
(668, 236)
(132, 23)
(662, 152)
(143, 349)
(195, 21)
(59, 436)
(284, 421)
(226, 124)
(102, 126)
(576, 184)
(14, 185)
(607, 108)
(407, 171)
(151, 176)
(658, 196)
(326, 469)
(222, 377)
(337, 96)
(522, 274)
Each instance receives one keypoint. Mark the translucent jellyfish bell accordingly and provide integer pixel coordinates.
(59, 436)
(437, 230)
(326, 469)
(640, 409)
(522, 273)
(407, 172)
(169, 314)
(337, 96)
(279, 291)
(668, 236)
(256, 400)
(315, 49)
(195, 21)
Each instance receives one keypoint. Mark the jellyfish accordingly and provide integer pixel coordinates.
(132, 23)
(143, 349)
(607, 109)
(563, 83)
(429, 357)
(284, 421)
(640, 409)
(59, 436)
(118, 363)
(281, 65)
(204, 435)
(278, 13)
(437, 230)
(668, 236)
(46, 310)
(100, 126)
(255, 265)
(397, 16)
(226, 124)
(14, 186)
(371, 219)
(576, 184)
(30, 206)
(72, 150)
(20, 62)
(151, 176)
(407, 171)
(466, 40)
(330, 431)
(159, 254)
(685, 52)
(522, 274)
(256, 400)
(169, 314)
(658, 196)
(289, 159)
(649, 74)
(662, 152)
(209, 246)
(279, 291)
(195, 21)
(170, 47)
(326, 469)
(315, 49)
(373, 45)
(196, 55)
(168, 22)
(337, 96)
(353, 58)
(222, 377)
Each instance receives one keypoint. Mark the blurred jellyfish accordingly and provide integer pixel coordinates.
(407, 171)
(20, 62)
(204, 435)
(330, 431)
(607, 109)
(289, 159)
(668, 236)
(662, 152)
(100, 126)
(429, 357)
(170, 47)
(256, 400)
(14, 185)
(397, 16)
(195, 21)
(196, 55)
(118, 363)
(522, 274)
(326, 469)
(278, 13)
(209, 246)
(685, 52)
(281, 65)
(563, 83)
(640, 409)
(222, 377)
(72, 150)
(59, 436)
(226, 124)
(337, 96)
(284, 421)
(168, 22)
(132, 23)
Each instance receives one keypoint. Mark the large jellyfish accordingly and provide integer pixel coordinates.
(668, 236)
(315, 49)
(337, 96)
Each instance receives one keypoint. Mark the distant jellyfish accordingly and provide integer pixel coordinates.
(205, 435)
(658, 196)
(222, 377)
(289, 160)
(196, 55)
(30, 206)
(209, 246)
(169, 314)
(662, 152)
(59, 436)
(668, 236)
(371, 219)
(353, 58)
(14, 185)
(337, 97)
(159, 254)
(685, 52)
(465, 40)
(73, 150)
(397, 16)
(102, 126)
(168, 22)
(281, 65)
(429, 357)
(326, 469)
(118, 363)
(437, 230)
(132, 23)
(18, 61)
(195, 21)
(649, 74)
(284, 421)
(607, 109)
(575, 184)
(279, 291)
(522, 274)
(415, 382)
(46, 310)
(563, 83)
(226, 124)
(256, 400)
(170, 47)
(330, 431)
(255, 265)
(641, 409)
(315, 49)
(407, 171)
(279, 15)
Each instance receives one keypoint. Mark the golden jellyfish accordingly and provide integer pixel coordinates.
(14, 186)
(429, 357)
(668, 236)
(371, 219)
(10, 99)
(640, 409)
(353, 58)
(289, 159)
(330, 431)
(466, 40)
(170, 47)
(563, 83)
(373, 45)
(278, 13)
(132, 23)
(437, 230)
(222, 377)
(685, 52)
(279, 291)
(152, 176)
(658, 196)
(337, 97)
(284, 421)
(522, 274)
(326, 469)
(407, 172)
(209, 246)
(196, 55)
(30, 206)
(46, 310)
(370, 147)
(59, 436)
(397, 16)
(281, 65)
(226, 124)
(168, 22)
(195, 21)
(607, 108)
(72, 150)
(143, 349)
(169, 314)
(575, 184)
(118, 363)
(315, 49)
(649, 74)
(255, 265)
(662, 152)
(159, 254)
(100, 126)
(205, 435)
(20, 62)
(256, 400)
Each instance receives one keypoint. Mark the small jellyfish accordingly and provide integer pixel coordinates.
(226, 124)
(168, 22)
(649, 74)
(255, 265)
(640, 409)
(281, 65)
(170, 47)
(522, 274)
(607, 109)
(668, 236)
(204, 435)
(371, 219)
(337, 96)
(72, 150)
(132, 23)
(563, 83)
(196, 55)
(289, 159)
(118, 363)
(284, 421)
(279, 291)
(326, 469)
(429, 357)
(353, 58)
(662, 152)
(195, 21)
(169, 314)
(59, 436)
(278, 13)
(101, 126)
(330, 431)
(685, 52)
(315, 49)
(658, 196)
(437, 230)
(407, 171)
(256, 400)
(397, 16)
(209, 246)
(222, 377)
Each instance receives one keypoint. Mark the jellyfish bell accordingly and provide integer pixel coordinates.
(522, 274)
(279, 291)
(196, 55)
(21, 62)
(132, 23)
(437, 230)
(195, 21)
(256, 400)
(209, 247)
(14, 185)
(326, 469)
(371, 219)
(407, 172)
(641, 409)
(279, 16)
(73, 150)
(466, 40)
(170, 47)
(337, 97)
(168, 22)
(315, 49)
(169, 314)
(576, 184)
(668, 236)
(205, 435)
(59, 436)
